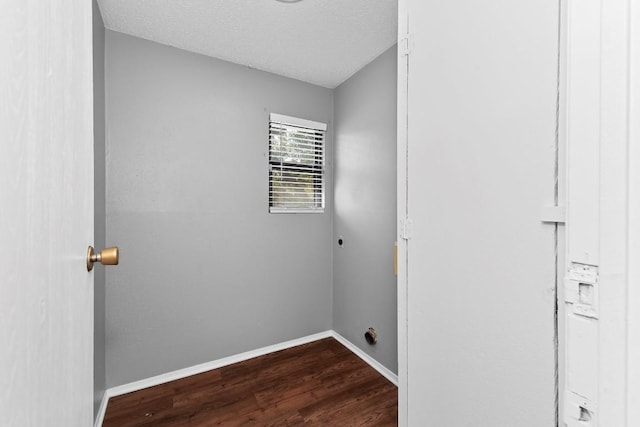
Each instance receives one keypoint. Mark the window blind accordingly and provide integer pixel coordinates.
(296, 164)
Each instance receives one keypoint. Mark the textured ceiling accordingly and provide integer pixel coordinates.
(322, 42)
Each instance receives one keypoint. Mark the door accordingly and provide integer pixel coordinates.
(46, 213)
(479, 157)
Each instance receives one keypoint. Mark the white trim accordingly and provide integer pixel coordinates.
(204, 367)
(295, 121)
(366, 358)
(599, 120)
(280, 210)
(102, 410)
(208, 366)
(633, 217)
(402, 214)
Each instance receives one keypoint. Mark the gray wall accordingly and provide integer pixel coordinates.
(205, 270)
(364, 286)
(99, 203)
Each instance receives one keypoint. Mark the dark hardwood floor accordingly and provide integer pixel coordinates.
(321, 383)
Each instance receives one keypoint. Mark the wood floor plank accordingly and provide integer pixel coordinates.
(320, 383)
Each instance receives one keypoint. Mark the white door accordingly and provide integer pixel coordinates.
(480, 264)
(46, 213)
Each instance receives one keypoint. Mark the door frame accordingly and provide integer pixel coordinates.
(603, 58)
(402, 211)
(633, 244)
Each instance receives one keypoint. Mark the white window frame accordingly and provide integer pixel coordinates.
(303, 123)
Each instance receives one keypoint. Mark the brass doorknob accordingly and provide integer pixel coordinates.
(107, 256)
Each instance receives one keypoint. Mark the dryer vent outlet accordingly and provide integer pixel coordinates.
(371, 336)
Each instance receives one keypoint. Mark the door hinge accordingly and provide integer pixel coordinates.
(406, 44)
(553, 214)
(406, 228)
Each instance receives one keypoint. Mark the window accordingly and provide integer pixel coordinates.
(296, 165)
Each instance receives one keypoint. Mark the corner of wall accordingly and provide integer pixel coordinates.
(363, 289)
(333, 210)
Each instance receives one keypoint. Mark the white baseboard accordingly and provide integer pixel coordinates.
(208, 366)
(204, 367)
(368, 359)
(102, 410)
